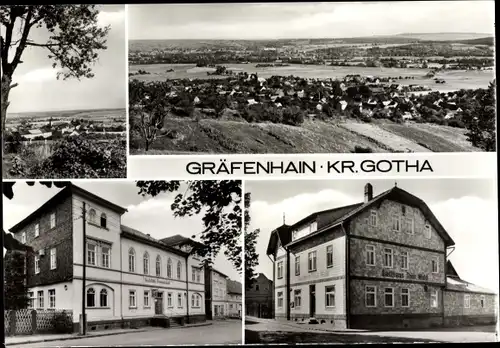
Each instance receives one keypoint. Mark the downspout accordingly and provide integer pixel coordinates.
(187, 290)
(347, 277)
(287, 283)
(273, 314)
(121, 278)
(445, 282)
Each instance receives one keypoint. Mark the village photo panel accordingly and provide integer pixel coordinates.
(367, 261)
(129, 258)
(278, 78)
(64, 76)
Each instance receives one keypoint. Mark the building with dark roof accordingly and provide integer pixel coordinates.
(259, 298)
(380, 263)
(130, 277)
(234, 298)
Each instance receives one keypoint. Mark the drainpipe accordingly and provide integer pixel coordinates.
(121, 278)
(273, 301)
(187, 290)
(347, 278)
(287, 283)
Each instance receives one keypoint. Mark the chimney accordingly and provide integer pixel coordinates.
(368, 192)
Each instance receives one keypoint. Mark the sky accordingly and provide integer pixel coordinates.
(146, 214)
(307, 20)
(467, 209)
(39, 90)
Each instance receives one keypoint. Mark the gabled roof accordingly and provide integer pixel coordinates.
(138, 236)
(177, 241)
(233, 287)
(59, 197)
(280, 234)
(455, 284)
(450, 270)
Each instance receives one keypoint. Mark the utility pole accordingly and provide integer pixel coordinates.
(84, 319)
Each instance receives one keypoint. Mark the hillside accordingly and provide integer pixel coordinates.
(443, 36)
(222, 136)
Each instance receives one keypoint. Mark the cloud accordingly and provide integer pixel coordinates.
(40, 75)
(111, 18)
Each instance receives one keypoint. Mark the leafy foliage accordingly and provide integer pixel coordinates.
(15, 293)
(251, 257)
(218, 201)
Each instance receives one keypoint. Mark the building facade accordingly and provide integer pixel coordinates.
(376, 264)
(259, 298)
(216, 303)
(130, 277)
(234, 299)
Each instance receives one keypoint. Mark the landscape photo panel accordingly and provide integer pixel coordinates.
(312, 77)
(64, 91)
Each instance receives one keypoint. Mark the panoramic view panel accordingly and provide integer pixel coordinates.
(63, 91)
(312, 77)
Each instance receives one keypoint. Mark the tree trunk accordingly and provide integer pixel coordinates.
(5, 89)
(147, 145)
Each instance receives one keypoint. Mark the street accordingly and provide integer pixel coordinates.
(221, 332)
(270, 331)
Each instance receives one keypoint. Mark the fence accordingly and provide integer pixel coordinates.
(30, 321)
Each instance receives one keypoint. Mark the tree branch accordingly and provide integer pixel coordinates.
(28, 43)
(24, 38)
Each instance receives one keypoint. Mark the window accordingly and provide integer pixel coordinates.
(370, 296)
(105, 251)
(103, 298)
(280, 269)
(294, 234)
(169, 268)
(131, 299)
(52, 298)
(482, 298)
(434, 263)
(193, 274)
(179, 300)
(408, 225)
(158, 266)
(330, 296)
(297, 266)
(257, 287)
(329, 256)
(297, 297)
(389, 297)
(53, 258)
(428, 231)
(90, 297)
(169, 299)
(388, 257)
(92, 216)
(198, 276)
(370, 255)
(195, 301)
(31, 299)
(312, 261)
(466, 301)
(40, 299)
(405, 297)
(37, 230)
(103, 220)
(179, 269)
(146, 263)
(434, 298)
(91, 254)
(37, 264)
(23, 238)
(146, 298)
(52, 220)
(131, 260)
(280, 299)
(395, 223)
(404, 260)
(373, 218)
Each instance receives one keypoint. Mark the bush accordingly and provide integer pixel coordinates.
(456, 123)
(293, 116)
(361, 149)
(63, 323)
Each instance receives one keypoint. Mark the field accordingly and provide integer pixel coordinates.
(455, 80)
(221, 136)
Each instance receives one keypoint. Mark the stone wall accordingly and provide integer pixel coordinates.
(456, 314)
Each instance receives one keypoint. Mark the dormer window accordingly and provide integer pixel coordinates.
(103, 220)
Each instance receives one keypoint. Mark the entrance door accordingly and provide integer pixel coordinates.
(312, 300)
(159, 303)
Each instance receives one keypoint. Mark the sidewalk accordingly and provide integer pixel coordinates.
(27, 339)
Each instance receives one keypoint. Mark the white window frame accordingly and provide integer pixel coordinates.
(179, 300)
(23, 237)
(329, 292)
(169, 300)
(412, 224)
(53, 258)
(312, 261)
(398, 219)
(428, 231)
(105, 293)
(435, 261)
(52, 220)
(370, 250)
(106, 257)
(373, 219)
(405, 255)
(31, 299)
(179, 270)
(297, 265)
(193, 274)
(52, 298)
(434, 295)
(391, 258)
(39, 299)
(146, 299)
(37, 230)
(388, 293)
(280, 269)
(132, 299)
(198, 276)
(131, 260)
(280, 299)
(466, 301)
(297, 297)
(91, 252)
(145, 263)
(169, 268)
(37, 264)
(329, 251)
(87, 293)
(374, 293)
(405, 292)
